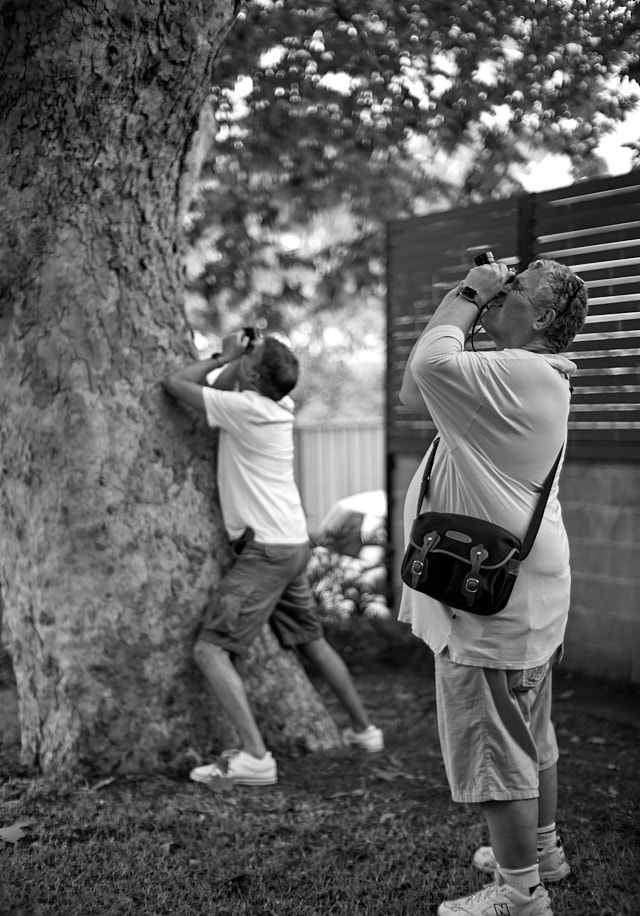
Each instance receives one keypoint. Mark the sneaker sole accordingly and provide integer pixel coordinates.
(254, 781)
(234, 780)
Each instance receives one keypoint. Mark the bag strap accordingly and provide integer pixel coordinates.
(427, 474)
(538, 512)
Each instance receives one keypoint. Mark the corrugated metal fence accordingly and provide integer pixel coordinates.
(337, 461)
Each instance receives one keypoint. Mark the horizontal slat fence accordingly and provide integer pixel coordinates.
(594, 227)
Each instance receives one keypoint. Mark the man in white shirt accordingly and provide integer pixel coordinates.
(249, 403)
(502, 419)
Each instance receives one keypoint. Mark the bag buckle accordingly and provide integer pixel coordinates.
(420, 562)
(471, 584)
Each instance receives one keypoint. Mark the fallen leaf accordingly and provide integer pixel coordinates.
(15, 832)
(102, 783)
(390, 775)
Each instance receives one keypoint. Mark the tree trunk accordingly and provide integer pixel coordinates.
(110, 530)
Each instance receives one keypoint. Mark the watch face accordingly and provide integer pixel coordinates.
(468, 292)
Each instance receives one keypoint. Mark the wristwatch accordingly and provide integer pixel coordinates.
(471, 294)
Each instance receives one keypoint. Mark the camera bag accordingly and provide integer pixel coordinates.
(465, 562)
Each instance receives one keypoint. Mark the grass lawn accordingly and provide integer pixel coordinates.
(342, 834)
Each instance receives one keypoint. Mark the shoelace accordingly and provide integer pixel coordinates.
(483, 894)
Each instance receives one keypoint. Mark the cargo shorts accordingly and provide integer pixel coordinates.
(495, 729)
(267, 583)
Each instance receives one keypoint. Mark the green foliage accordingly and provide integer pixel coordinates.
(388, 109)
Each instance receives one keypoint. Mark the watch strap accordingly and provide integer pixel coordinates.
(471, 294)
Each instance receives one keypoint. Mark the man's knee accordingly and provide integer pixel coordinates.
(206, 652)
(315, 650)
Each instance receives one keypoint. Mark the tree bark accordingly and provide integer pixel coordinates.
(110, 530)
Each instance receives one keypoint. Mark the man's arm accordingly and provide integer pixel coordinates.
(456, 310)
(187, 383)
(410, 394)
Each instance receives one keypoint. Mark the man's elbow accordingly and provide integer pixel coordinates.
(169, 385)
(412, 400)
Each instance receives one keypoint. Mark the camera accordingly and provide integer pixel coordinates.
(485, 258)
(250, 334)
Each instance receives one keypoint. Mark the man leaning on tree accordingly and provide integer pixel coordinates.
(248, 401)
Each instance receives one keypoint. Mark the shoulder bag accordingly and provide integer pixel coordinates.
(465, 562)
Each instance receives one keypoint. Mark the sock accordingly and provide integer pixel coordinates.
(524, 880)
(546, 837)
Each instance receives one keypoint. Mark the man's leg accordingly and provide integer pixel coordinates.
(241, 606)
(548, 801)
(334, 671)
(513, 831)
(227, 687)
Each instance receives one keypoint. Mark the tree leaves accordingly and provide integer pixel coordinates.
(346, 106)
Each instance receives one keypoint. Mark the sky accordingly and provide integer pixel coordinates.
(554, 171)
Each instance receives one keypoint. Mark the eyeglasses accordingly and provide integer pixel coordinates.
(513, 286)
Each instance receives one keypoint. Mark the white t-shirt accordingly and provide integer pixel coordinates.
(502, 419)
(255, 465)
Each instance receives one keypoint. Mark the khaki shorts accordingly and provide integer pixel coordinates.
(495, 730)
(267, 583)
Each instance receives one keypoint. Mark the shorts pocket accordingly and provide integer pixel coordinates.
(530, 677)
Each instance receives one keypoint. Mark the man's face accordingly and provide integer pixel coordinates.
(510, 317)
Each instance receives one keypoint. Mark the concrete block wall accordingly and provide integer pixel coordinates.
(601, 508)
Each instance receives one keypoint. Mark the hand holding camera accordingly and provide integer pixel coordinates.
(486, 279)
(238, 343)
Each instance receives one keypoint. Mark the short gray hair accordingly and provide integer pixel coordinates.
(565, 292)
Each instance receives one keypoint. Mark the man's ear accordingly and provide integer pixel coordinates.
(255, 379)
(545, 319)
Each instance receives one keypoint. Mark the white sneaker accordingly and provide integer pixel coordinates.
(551, 862)
(371, 739)
(499, 899)
(239, 768)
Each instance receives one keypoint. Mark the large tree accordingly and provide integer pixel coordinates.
(110, 531)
